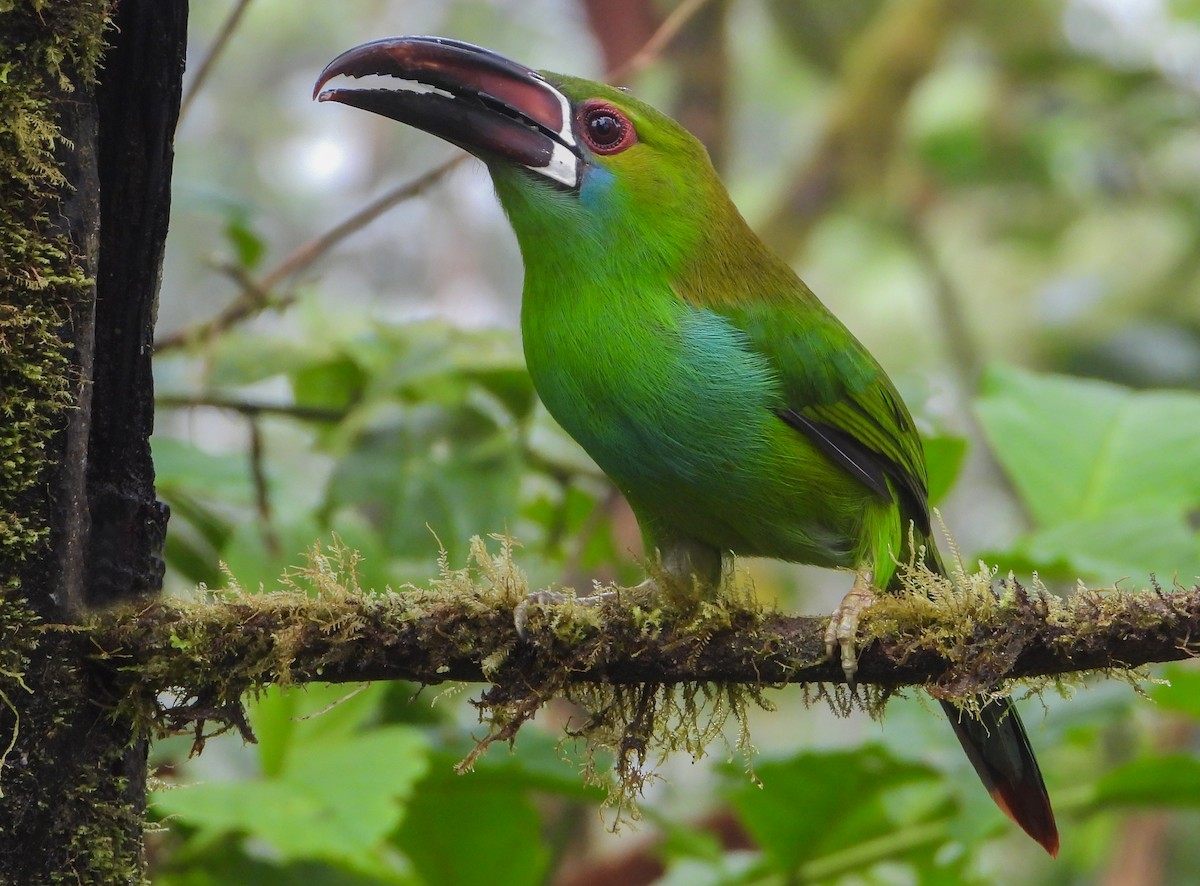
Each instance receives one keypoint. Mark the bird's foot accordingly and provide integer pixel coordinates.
(550, 598)
(641, 594)
(843, 625)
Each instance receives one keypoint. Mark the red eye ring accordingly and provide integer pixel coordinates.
(604, 128)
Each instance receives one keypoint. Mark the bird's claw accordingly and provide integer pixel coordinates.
(543, 598)
(521, 613)
(843, 626)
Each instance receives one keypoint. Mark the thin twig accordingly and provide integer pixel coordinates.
(659, 40)
(258, 295)
(206, 66)
(307, 254)
(262, 493)
(242, 407)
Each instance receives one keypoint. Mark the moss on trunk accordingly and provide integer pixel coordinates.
(68, 813)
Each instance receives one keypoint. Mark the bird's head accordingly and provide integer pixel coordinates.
(573, 161)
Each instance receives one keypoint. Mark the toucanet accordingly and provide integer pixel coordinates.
(733, 410)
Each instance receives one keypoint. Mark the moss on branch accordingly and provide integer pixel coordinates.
(644, 674)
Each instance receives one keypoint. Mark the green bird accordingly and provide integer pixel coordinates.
(733, 410)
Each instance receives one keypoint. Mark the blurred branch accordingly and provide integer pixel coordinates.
(213, 651)
(257, 295)
(621, 27)
(659, 40)
(702, 65)
(227, 28)
(1141, 844)
(882, 69)
(262, 492)
(643, 864)
(960, 341)
(695, 29)
(287, 410)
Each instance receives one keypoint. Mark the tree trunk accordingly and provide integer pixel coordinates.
(83, 219)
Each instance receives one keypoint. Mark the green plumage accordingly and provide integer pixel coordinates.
(735, 413)
(665, 337)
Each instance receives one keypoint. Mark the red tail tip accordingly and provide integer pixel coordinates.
(1037, 823)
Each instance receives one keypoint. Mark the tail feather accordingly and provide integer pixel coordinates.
(998, 748)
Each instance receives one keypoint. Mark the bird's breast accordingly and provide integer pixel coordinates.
(676, 405)
(660, 397)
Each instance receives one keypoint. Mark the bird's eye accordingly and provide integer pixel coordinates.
(604, 128)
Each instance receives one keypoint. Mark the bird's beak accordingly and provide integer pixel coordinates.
(469, 96)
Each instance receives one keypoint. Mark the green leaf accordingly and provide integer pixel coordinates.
(1181, 692)
(1184, 10)
(336, 799)
(944, 457)
(241, 807)
(427, 467)
(178, 464)
(1169, 780)
(1109, 474)
(472, 830)
(1048, 433)
(816, 804)
(247, 245)
(315, 712)
(360, 782)
(1123, 543)
(682, 840)
(258, 554)
(336, 383)
(234, 868)
(198, 533)
(243, 358)
(1077, 448)
(544, 764)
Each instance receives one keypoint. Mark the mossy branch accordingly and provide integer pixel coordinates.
(652, 680)
(956, 638)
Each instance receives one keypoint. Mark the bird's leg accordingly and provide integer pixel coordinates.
(687, 562)
(843, 625)
(680, 563)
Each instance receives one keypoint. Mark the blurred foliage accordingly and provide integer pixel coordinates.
(1035, 206)
(1117, 496)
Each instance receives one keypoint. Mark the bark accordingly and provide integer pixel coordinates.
(89, 219)
(138, 102)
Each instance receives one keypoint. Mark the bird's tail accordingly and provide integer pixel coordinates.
(998, 747)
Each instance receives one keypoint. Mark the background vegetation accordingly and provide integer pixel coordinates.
(1000, 199)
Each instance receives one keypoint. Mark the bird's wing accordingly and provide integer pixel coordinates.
(837, 395)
